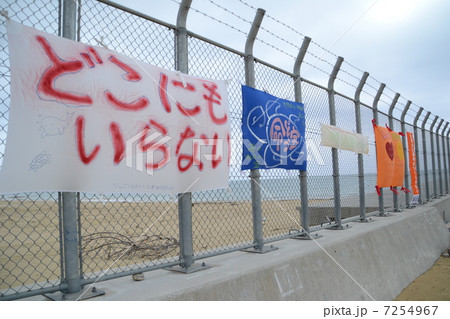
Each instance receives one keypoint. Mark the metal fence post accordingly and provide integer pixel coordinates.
(184, 199)
(71, 288)
(439, 153)
(433, 160)
(425, 159)
(304, 215)
(445, 156)
(334, 151)
(416, 139)
(72, 275)
(362, 194)
(255, 180)
(375, 117)
(405, 151)
(391, 124)
(448, 156)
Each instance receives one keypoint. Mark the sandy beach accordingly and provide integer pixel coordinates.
(30, 233)
(433, 285)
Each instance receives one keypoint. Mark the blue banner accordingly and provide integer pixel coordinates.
(273, 132)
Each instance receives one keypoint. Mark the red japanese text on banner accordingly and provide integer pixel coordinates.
(84, 118)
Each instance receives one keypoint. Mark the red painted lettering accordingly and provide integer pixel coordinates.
(180, 84)
(87, 58)
(155, 145)
(163, 80)
(211, 100)
(136, 105)
(131, 74)
(159, 126)
(86, 159)
(215, 159)
(118, 142)
(93, 53)
(46, 86)
(188, 133)
(188, 112)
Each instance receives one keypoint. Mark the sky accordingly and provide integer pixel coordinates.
(402, 43)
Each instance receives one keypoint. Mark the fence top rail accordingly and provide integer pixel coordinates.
(137, 13)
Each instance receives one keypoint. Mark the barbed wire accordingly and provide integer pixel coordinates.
(415, 105)
(218, 20)
(348, 73)
(274, 19)
(354, 67)
(230, 12)
(280, 38)
(372, 87)
(320, 58)
(265, 29)
(346, 82)
(292, 29)
(291, 44)
(385, 102)
(314, 67)
(386, 88)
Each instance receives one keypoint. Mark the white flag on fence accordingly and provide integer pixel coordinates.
(84, 118)
(336, 137)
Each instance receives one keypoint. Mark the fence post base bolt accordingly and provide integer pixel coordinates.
(365, 220)
(81, 295)
(339, 227)
(307, 236)
(189, 270)
(384, 215)
(262, 250)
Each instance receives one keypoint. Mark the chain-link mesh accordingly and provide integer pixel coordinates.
(420, 162)
(370, 161)
(320, 166)
(280, 189)
(222, 219)
(29, 222)
(440, 159)
(124, 232)
(431, 163)
(408, 129)
(348, 161)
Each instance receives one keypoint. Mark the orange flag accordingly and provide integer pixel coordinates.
(412, 163)
(399, 160)
(385, 156)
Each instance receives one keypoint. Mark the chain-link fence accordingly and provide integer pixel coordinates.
(122, 234)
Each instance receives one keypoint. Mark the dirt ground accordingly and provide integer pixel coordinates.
(29, 234)
(433, 285)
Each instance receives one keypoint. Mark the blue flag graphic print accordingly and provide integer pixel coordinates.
(273, 132)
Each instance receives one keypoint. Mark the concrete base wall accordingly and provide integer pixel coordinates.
(375, 260)
(443, 208)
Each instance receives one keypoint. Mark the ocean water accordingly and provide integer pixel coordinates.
(287, 188)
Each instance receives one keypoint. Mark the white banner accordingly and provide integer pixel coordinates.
(85, 118)
(336, 137)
